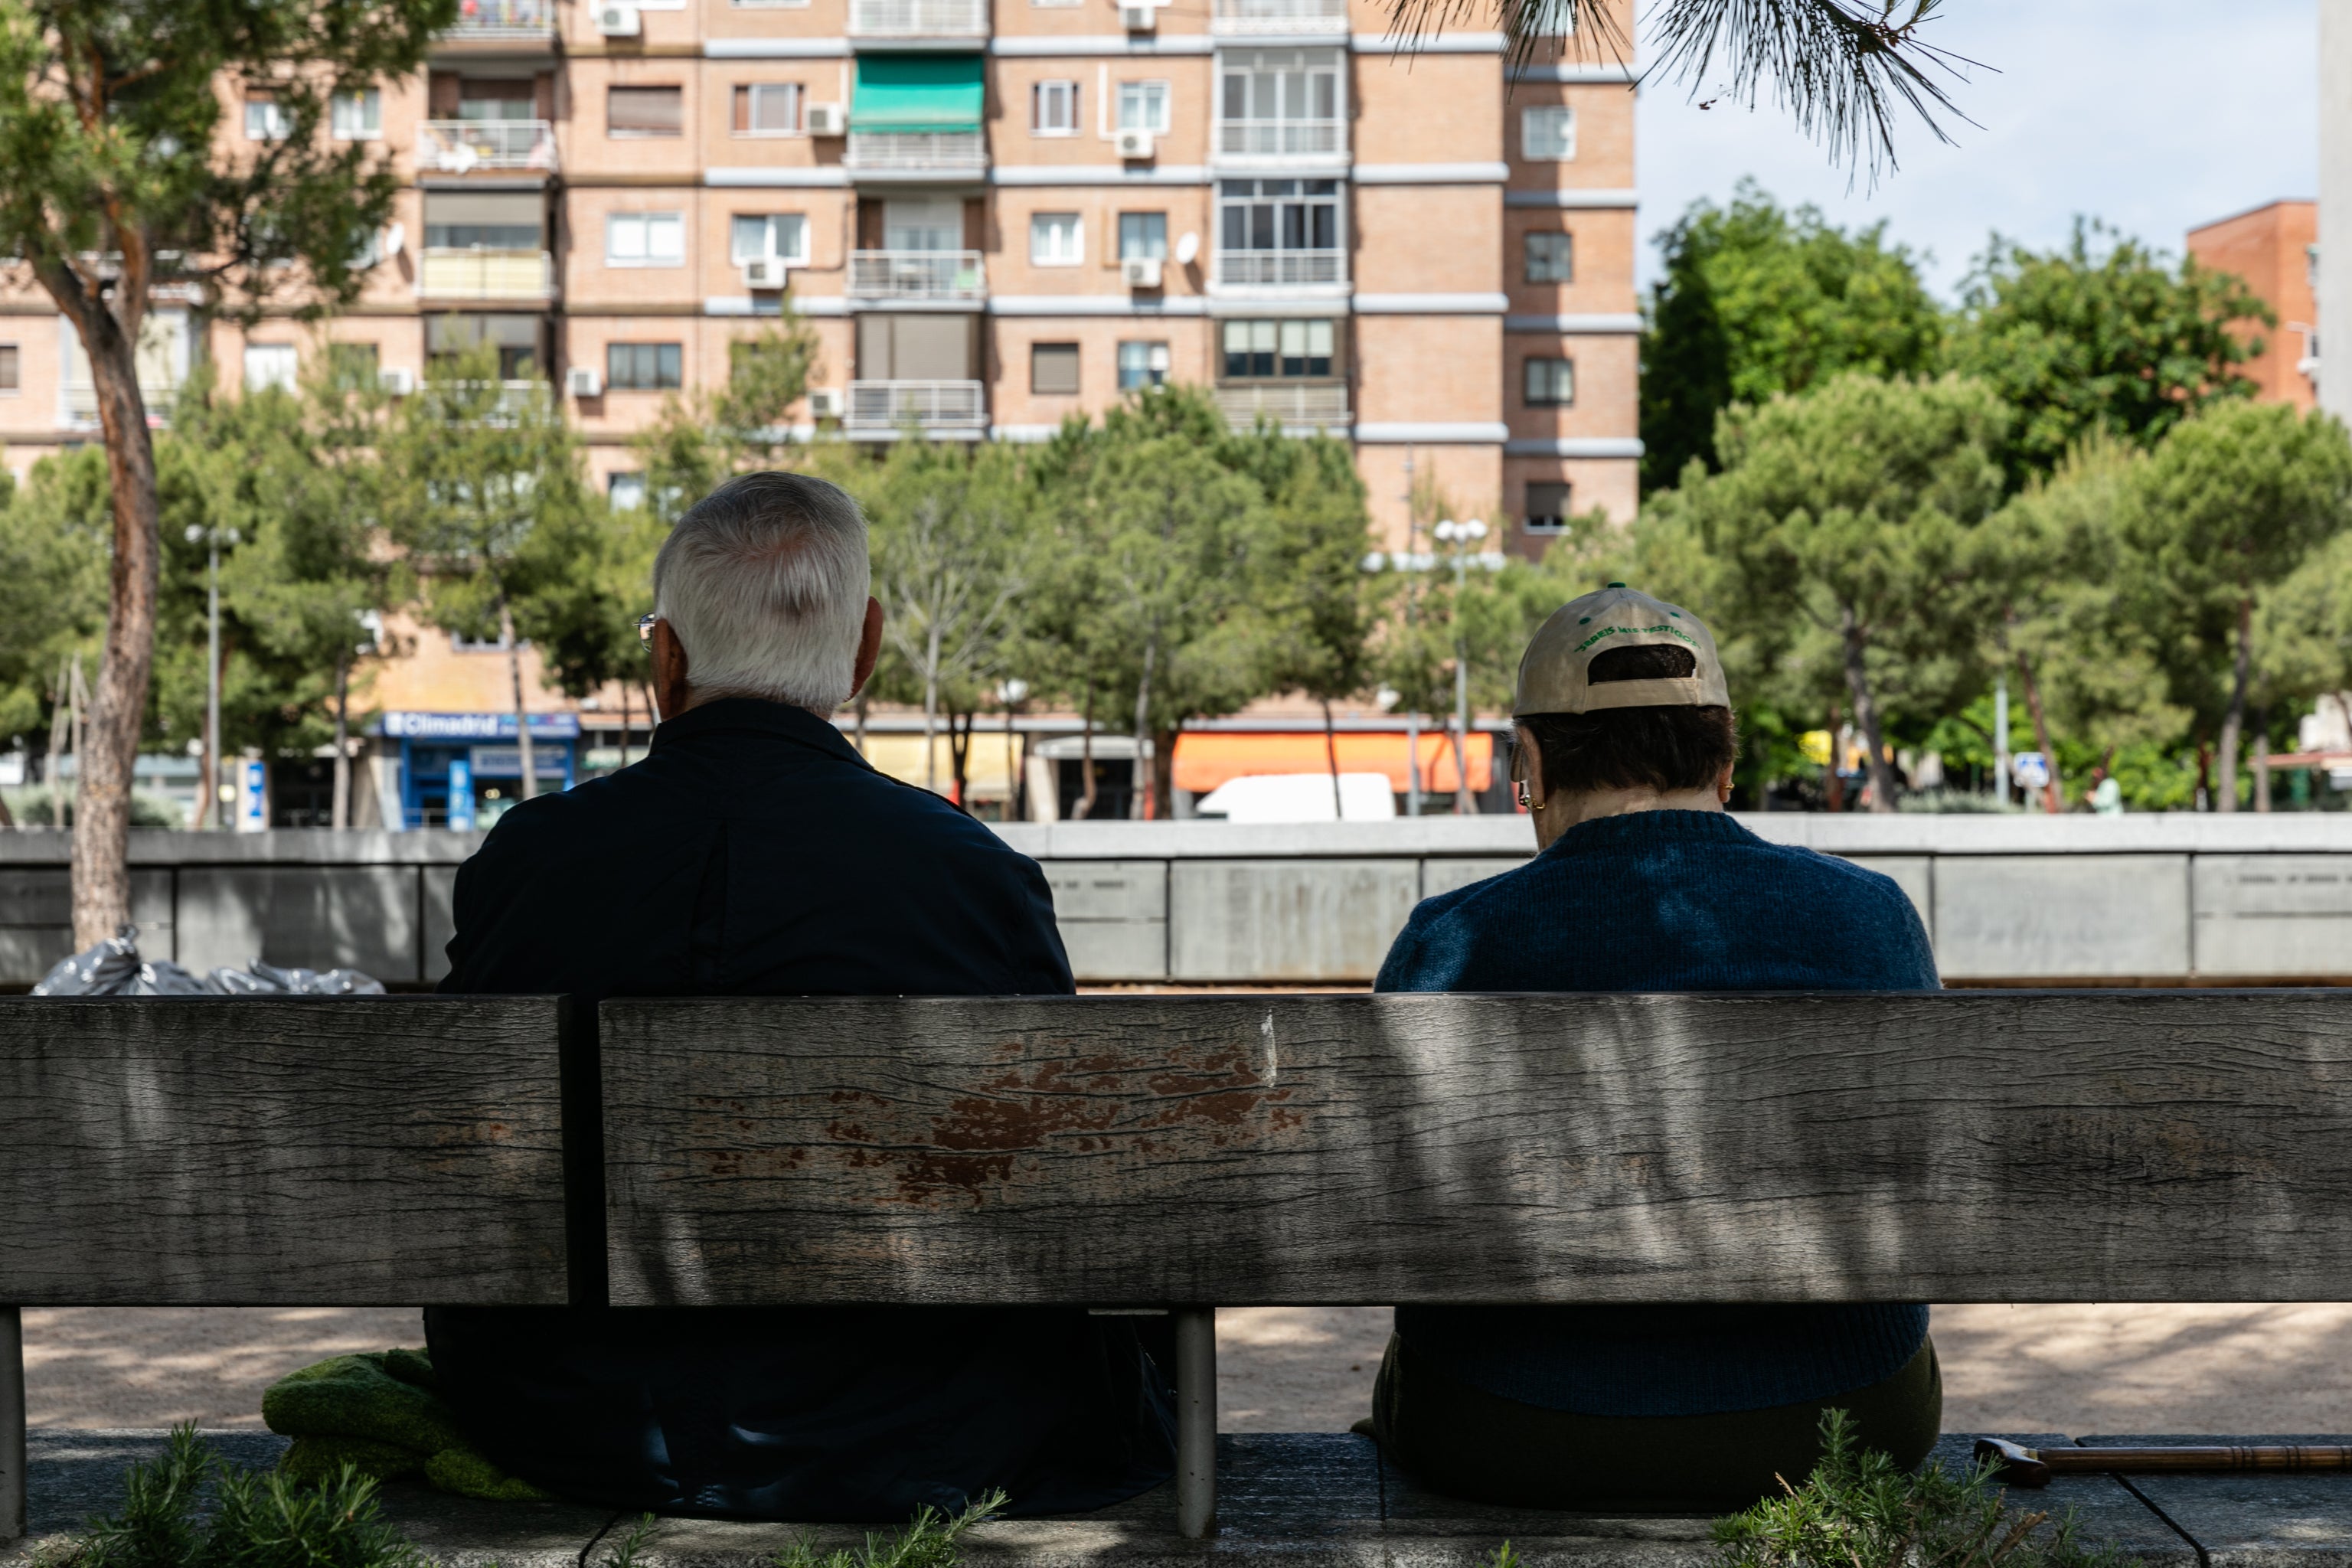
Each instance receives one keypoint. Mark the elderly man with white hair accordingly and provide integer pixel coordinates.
(753, 852)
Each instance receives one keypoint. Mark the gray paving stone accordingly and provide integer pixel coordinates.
(2104, 1509)
(2283, 1519)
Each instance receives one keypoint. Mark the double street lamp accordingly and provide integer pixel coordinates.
(208, 815)
(1461, 537)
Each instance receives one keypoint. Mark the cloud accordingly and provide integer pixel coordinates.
(2156, 115)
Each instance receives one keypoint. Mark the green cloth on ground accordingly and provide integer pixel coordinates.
(380, 1412)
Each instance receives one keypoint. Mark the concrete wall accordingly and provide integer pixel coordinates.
(2167, 900)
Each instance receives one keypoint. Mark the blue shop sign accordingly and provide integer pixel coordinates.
(476, 726)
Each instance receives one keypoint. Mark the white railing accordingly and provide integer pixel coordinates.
(1316, 405)
(462, 146)
(939, 276)
(1276, 268)
(881, 406)
(918, 19)
(452, 274)
(927, 151)
(1280, 17)
(1267, 137)
(504, 20)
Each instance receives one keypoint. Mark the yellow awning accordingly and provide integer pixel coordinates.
(985, 771)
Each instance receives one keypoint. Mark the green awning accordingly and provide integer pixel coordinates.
(917, 92)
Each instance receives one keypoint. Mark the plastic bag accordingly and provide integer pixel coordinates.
(113, 968)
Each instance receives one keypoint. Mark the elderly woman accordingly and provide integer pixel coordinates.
(1642, 882)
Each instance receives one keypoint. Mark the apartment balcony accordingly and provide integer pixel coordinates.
(887, 19)
(917, 154)
(900, 278)
(1281, 138)
(471, 274)
(949, 408)
(1302, 406)
(484, 146)
(502, 24)
(492, 405)
(1279, 269)
(1286, 18)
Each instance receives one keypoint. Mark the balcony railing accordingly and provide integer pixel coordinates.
(1269, 138)
(918, 19)
(1280, 17)
(1313, 405)
(937, 277)
(1279, 267)
(505, 21)
(448, 274)
(917, 152)
(879, 406)
(462, 146)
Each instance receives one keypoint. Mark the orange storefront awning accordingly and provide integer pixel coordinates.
(1204, 761)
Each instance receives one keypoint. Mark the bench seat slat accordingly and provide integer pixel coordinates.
(1963, 1146)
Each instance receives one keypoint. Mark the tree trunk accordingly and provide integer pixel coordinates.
(53, 771)
(101, 828)
(341, 811)
(2263, 760)
(1832, 786)
(77, 704)
(930, 711)
(1163, 768)
(2234, 719)
(1086, 757)
(1866, 713)
(514, 677)
(2204, 775)
(1331, 754)
(625, 724)
(2052, 796)
(1139, 807)
(959, 759)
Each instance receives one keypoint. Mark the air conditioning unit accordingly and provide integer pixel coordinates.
(399, 381)
(1136, 144)
(614, 20)
(827, 120)
(1139, 18)
(763, 272)
(584, 381)
(1140, 271)
(824, 402)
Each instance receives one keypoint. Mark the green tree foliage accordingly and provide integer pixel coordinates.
(703, 436)
(2102, 336)
(53, 559)
(1837, 550)
(1756, 301)
(117, 175)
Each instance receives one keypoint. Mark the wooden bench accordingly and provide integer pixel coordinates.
(1176, 1153)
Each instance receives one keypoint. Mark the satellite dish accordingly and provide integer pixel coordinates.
(1187, 246)
(395, 238)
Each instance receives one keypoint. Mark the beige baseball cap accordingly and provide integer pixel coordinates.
(1552, 671)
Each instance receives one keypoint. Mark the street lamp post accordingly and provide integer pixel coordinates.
(1461, 536)
(208, 814)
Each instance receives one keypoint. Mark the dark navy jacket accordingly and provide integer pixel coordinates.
(754, 853)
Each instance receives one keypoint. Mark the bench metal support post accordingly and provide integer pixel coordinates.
(1196, 1422)
(12, 1424)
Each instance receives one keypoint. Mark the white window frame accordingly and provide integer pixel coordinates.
(1144, 105)
(1526, 254)
(286, 361)
(797, 94)
(1535, 145)
(1042, 96)
(794, 222)
(616, 224)
(265, 119)
(624, 488)
(1567, 373)
(1567, 509)
(1146, 253)
(1156, 360)
(1057, 239)
(369, 103)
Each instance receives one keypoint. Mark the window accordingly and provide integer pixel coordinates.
(496, 100)
(1143, 106)
(268, 365)
(767, 108)
(485, 220)
(265, 119)
(626, 493)
(645, 239)
(1278, 231)
(1547, 507)
(1258, 350)
(645, 112)
(356, 116)
(1547, 135)
(642, 367)
(1551, 258)
(1054, 369)
(781, 237)
(12, 368)
(1279, 100)
(1053, 109)
(1144, 235)
(1142, 364)
(1551, 383)
(1056, 239)
(352, 367)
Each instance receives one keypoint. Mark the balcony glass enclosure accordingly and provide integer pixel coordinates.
(1279, 232)
(1280, 102)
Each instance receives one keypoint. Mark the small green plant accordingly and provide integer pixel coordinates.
(1858, 1510)
(625, 1554)
(189, 1509)
(929, 1541)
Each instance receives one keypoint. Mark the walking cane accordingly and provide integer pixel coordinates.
(2024, 1467)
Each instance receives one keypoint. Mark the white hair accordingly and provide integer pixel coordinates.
(764, 582)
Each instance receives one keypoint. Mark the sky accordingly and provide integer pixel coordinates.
(2155, 115)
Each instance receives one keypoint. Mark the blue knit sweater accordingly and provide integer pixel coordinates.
(1666, 901)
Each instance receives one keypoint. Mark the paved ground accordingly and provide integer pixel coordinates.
(2078, 1370)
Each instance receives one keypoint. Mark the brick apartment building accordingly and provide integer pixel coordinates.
(2273, 248)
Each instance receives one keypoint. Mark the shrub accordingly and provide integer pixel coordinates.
(190, 1509)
